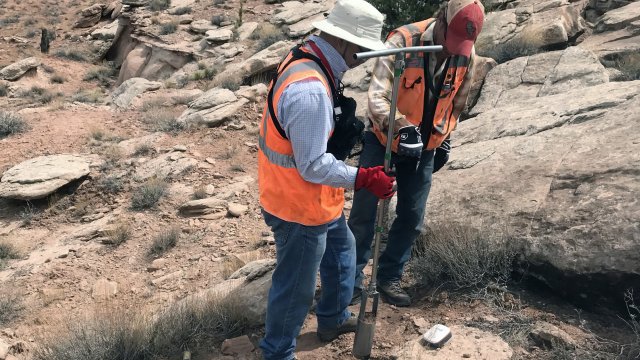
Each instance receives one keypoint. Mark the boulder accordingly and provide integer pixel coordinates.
(90, 16)
(104, 289)
(295, 11)
(16, 70)
(107, 32)
(214, 116)
(547, 335)
(203, 207)
(240, 346)
(540, 75)
(213, 98)
(262, 61)
(219, 35)
(360, 76)
(558, 171)
(237, 210)
(124, 95)
(41, 176)
(246, 30)
(201, 26)
(303, 27)
(253, 93)
(619, 18)
(166, 165)
(527, 30)
(466, 342)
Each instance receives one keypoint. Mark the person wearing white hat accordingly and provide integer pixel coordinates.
(302, 178)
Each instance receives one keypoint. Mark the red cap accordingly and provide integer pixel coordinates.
(464, 23)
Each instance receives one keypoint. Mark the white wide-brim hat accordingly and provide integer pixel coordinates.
(355, 21)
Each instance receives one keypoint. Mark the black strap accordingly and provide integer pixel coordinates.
(429, 110)
(298, 54)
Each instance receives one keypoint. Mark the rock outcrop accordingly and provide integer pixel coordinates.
(16, 70)
(42, 176)
(90, 16)
(124, 95)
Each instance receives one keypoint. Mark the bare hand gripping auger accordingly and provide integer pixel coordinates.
(363, 341)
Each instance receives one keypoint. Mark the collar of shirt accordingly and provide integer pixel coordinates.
(336, 62)
(427, 38)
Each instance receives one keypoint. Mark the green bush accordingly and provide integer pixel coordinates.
(402, 12)
(11, 124)
(148, 194)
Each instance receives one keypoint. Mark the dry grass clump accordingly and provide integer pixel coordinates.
(159, 5)
(7, 251)
(104, 75)
(58, 79)
(266, 35)
(163, 119)
(230, 82)
(168, 28)
(4, 90)
(87, 97)
(197, 323)
(118, 234)
(164, 241)
(10, 307)
(148, 194)
(458, 258)
(143, 149)
(11, 124)
(70, 55)
(38, 94)
(110, 185)
(200, 192)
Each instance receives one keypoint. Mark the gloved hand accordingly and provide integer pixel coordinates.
(442, 155)
(410, 144)
(375, 180)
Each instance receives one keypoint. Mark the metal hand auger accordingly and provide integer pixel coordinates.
(363, 341)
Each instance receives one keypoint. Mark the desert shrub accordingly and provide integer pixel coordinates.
(143, 149)
(200, 322)
(231, 83)
(458, 258)
(266, 35)
(10, 20)
(118, 234)
(168, 28)
(203, 73)
(163, 119)
(182, 10)
(11, 124)
(7, 252)
(110, 185)
(229, 153)
(164, 241)
(38, 94)
(159, 5)
(104, 75)
(199, 192)
(217, 20)
(148, 194)
(402, 12)
(87, 97)
(4, 89)
(31, 34)
(632, 350)
(71, 55)
(10, 307)
(58, 79)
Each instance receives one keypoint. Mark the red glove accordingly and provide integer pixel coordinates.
(375, 180)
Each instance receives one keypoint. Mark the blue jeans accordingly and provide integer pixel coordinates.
(413, 190)
(300, 252)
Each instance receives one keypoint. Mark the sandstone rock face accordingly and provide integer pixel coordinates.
(528, 29)
(42, 176)
(540, 75)
(219, 35)
(466, 342)
(264, 60)
(130, 89)
(166, 165)
(213, 108)
(107, 32)
(90, 16)
(246, 30)
(303, 27)
(16, 70)
(619, 18)
(559, 170)
(295, 11)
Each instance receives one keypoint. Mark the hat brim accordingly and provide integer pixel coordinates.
(458, 45)
(330, 29)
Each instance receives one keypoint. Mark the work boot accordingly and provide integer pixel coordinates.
(357, 296)
(347, 326)
(393, 294)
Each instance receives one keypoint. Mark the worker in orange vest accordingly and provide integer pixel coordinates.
(302, 178)
(432, 94)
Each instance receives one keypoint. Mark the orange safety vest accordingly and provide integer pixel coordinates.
(412, 89)
(283, 192)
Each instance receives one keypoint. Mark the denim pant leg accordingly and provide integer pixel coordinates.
(413, 190)
(337, 272)
(299, 251)
(363, 211)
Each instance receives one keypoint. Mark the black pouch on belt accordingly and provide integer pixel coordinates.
(348, 129)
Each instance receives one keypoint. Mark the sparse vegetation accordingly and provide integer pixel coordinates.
(217, 20)
(632, 350)
(266, 35)
(97, 134)
(199, 192)
(200, 322)
(164, 241)
(161, 119)
(230, 83)
(58, 79)
(38, 94)
(159, 5)
(71, 55)
(11, 124)
(110, 184)
(31, 34)
(204, 73)
(229, 153)
(524, 45)
(13, 19)
(7, 251)
(4, 89)
(147, 195)
(143, 149)
(28, 213)
(182, 10)
(87, 97)
(118, 234)
(168, 28)
(629, 65)
(462, 258)
(10, 307)
(104, 75)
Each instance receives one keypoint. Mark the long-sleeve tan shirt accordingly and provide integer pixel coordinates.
(379, 95)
